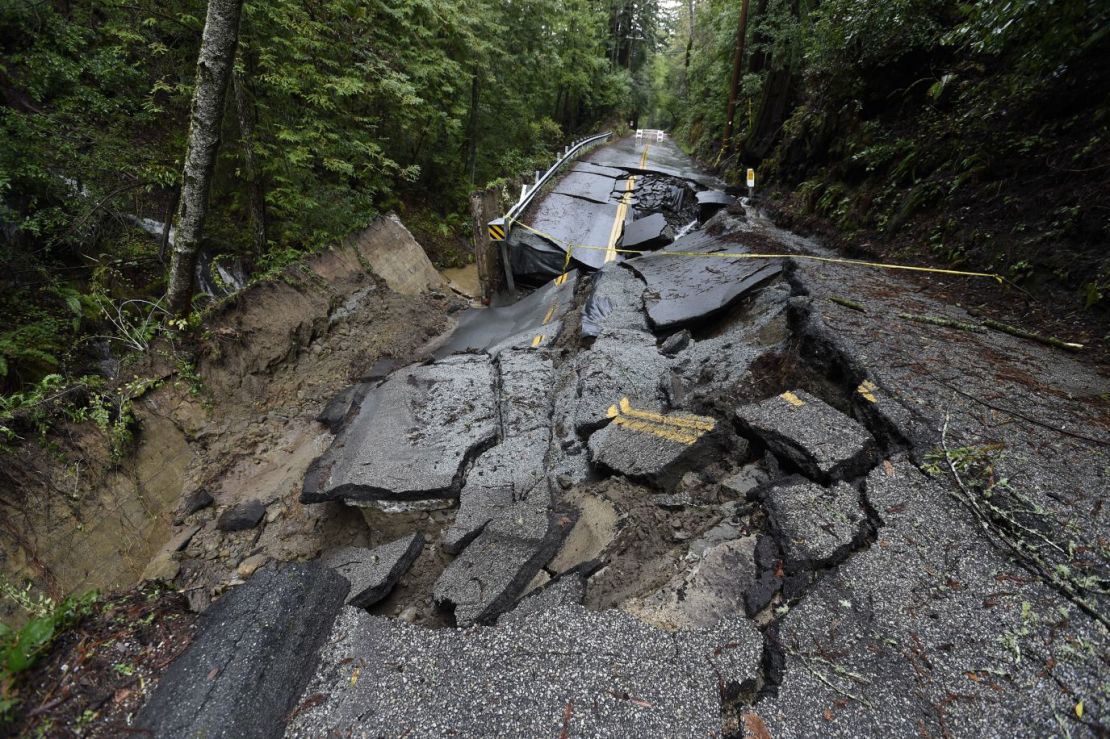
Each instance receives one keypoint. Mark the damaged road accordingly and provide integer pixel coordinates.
(679, 494)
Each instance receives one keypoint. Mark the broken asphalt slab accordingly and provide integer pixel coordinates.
(686, 290)
(653, 448)
(372, 573)
(616, 301)
(929, 611)
(413, 435)
(256, 647)
(571, 220)
(815, 438)
(564, 671)
(711, 201)
(646, 234)
(493, 330)
(620, 364)
(492, 572)
(816, 526)
(499, 479)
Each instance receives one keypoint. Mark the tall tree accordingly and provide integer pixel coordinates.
(737, 62)
(214, 67)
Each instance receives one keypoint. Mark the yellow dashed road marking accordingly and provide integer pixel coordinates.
(867, 390)
(793, 399)
(550, 312)
(537, 341)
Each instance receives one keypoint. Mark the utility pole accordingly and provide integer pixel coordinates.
(734, 90)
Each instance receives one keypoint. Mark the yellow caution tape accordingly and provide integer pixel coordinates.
(746, 255)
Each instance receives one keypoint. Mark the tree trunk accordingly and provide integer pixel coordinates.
(256, 192)
(171, 210)
(689, 42)
(217, 54)
(737, 60)
(472, 130)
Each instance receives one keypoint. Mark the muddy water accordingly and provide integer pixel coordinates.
(464, 280)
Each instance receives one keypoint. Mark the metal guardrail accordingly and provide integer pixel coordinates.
(499, 227)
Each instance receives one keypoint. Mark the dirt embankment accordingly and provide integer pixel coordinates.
(231, 422)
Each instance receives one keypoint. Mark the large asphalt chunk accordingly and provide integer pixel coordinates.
(412, 436)
(686, 290)
(561, 671)
(255, 650)
(372, 573)
(492, 572)
(499, 479)
(816, 526)
(525, 388)
(651, 447)
(494, 330)
(820, 441)
(616, 301)
(646, 234)
(621, 364)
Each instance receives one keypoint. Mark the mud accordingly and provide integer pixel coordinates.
(241, 428)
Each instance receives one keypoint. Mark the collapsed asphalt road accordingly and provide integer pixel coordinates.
(691, 495)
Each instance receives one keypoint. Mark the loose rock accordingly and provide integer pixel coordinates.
(242, 516)
(372, 573)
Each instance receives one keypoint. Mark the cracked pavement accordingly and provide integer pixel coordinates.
(697, 496)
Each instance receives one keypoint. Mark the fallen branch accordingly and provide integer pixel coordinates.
(946, 322)
(847, 303)
(1031, 336)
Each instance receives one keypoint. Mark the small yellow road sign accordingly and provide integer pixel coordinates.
(751, 177)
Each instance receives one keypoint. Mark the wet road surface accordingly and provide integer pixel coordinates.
(691, 495)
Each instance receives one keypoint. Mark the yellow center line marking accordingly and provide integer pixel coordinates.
(681, 430)
(550, 313)
(679, 437)
(537, 341)
(687, 422)
(622, 210)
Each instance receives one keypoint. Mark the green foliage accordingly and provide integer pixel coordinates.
(21, 648)
(354, 108)
(889, 115)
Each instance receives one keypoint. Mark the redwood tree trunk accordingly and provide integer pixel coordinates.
(737, 61)
(214, 63)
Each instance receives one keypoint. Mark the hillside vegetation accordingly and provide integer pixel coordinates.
(337, 111)
(970, 134)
